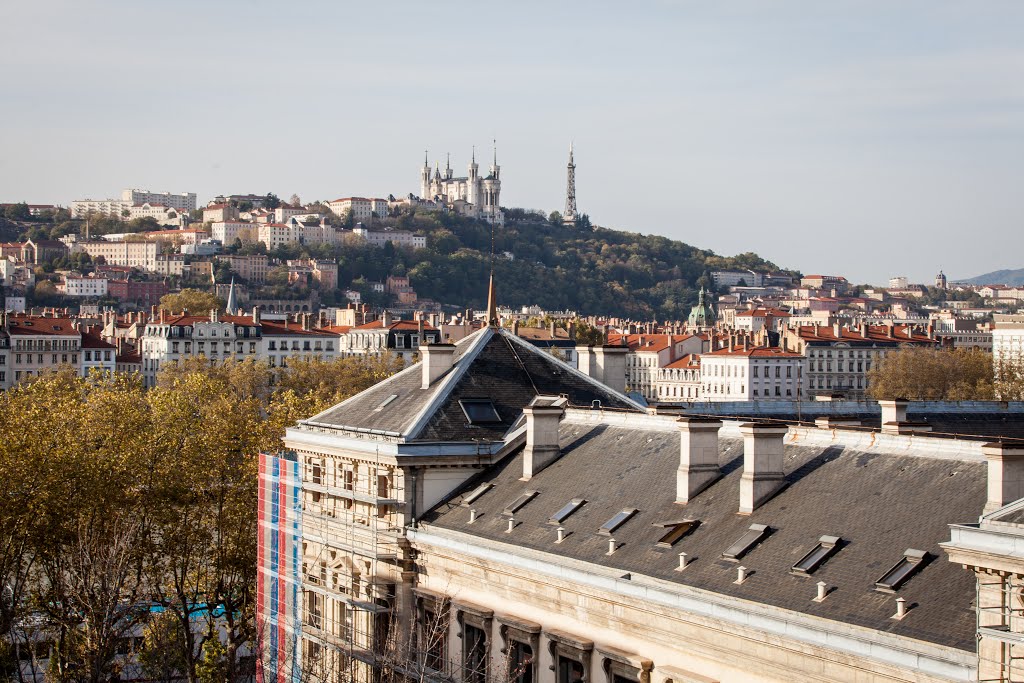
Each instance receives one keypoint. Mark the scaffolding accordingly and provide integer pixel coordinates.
(1000, 601)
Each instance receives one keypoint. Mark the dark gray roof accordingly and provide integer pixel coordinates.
(490, 364)
(880, 505)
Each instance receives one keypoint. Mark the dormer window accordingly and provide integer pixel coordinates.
(674, 531)
(480, 411)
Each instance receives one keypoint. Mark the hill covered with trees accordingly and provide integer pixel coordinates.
(592, 270)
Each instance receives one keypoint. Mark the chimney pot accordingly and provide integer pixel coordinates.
(472, 515)
(741, 575)
(822, 591)
(611, 546)
(901, 608)
(511, 525)
(763, 457)
(561, 534)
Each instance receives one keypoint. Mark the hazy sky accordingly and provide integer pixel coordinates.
(860, 138)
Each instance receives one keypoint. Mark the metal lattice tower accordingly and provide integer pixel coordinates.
(570, 192)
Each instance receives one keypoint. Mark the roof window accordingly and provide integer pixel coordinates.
(385, 402)
(826, 548)
(675, 531)
(569, 508)
(618, 520)
(912, 562)
(475, 493)
(519, 502)
(479, 411)
(754, 535)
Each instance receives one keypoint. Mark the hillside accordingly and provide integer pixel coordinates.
(592, 271)
(998, 277)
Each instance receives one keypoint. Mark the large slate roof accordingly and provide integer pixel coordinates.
(880, 505)
(490, 364)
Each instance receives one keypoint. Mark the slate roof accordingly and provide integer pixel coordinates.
(489, 363)
(880, 505)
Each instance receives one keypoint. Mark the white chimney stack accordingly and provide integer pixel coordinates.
(437, 359)
(541, 437)
(611, 364)
(1005, 474)
(894, 411)
(763, 458)
(698, 456)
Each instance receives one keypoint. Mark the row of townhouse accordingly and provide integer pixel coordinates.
(169, 339)
(810, 360)
(31, 345)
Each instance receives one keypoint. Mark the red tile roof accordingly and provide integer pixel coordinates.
(756, 352)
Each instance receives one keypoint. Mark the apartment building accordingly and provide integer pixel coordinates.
(680, 380)
(83, 285)
(478, 514)
(650, 352)
(184, 201)
(746, 372)
(39, 344)
(252, 268)
(359, 208)
(227, 231)
(1008, 342)
(402, 337)
(399, 238)
(141, 255)
(839, 357)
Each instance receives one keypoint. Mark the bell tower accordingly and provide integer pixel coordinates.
(425, 178)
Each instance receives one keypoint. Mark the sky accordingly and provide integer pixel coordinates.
(867, 139)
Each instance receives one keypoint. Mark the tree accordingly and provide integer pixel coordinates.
(18, 212)
(271, 201)
(555, 218)
(294, 200)
(925, 374)
(192, 300)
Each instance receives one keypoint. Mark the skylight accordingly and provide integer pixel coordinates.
(827, 546)
(479, 411)
(618, 520)
(519, 502)
(912, 562)
(569, 508)
(754, 535)
(385, 402)
(675, 531)
(476, 493)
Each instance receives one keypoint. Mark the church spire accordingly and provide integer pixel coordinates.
(232, 304)
(492, 305)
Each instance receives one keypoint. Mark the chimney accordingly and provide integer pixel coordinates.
(611, 365)
(437, 359)
(305, 321)
(585, 362)
(763, 456)
(698, 456)
(385, 318)
(419, 328)
(255, 315)
(1005, 474)
(515, 326)
(213, 315)
(551, 329)
(837, 330)
(894, 415)
(541, 435)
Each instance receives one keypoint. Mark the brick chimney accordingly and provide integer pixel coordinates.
(542, 447)
(763, 457)
(698, 456)
(437, 359)
(1005, 474)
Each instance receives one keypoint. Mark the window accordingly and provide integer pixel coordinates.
(479, 411)
(571, 657)
(567, 509)
(385, 402)
(826, 548)
(615, 522)
(476, 625)
(675, 531)
(521, 645)
(912, 562)
(475, 493)
(272, 345)
(519, 502)
(399, 342)
(754, 535)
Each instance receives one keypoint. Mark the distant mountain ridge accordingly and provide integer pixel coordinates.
(998, 277)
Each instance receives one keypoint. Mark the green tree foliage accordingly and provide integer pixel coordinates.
(115, 497)
(18, 212)
(192, 300)
(933, 375)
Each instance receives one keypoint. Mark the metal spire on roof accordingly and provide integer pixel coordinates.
(495, 141)
(232, 305)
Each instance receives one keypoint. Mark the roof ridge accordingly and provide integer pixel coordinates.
(447, 384)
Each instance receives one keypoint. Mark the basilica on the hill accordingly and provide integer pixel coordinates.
(472, 195)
